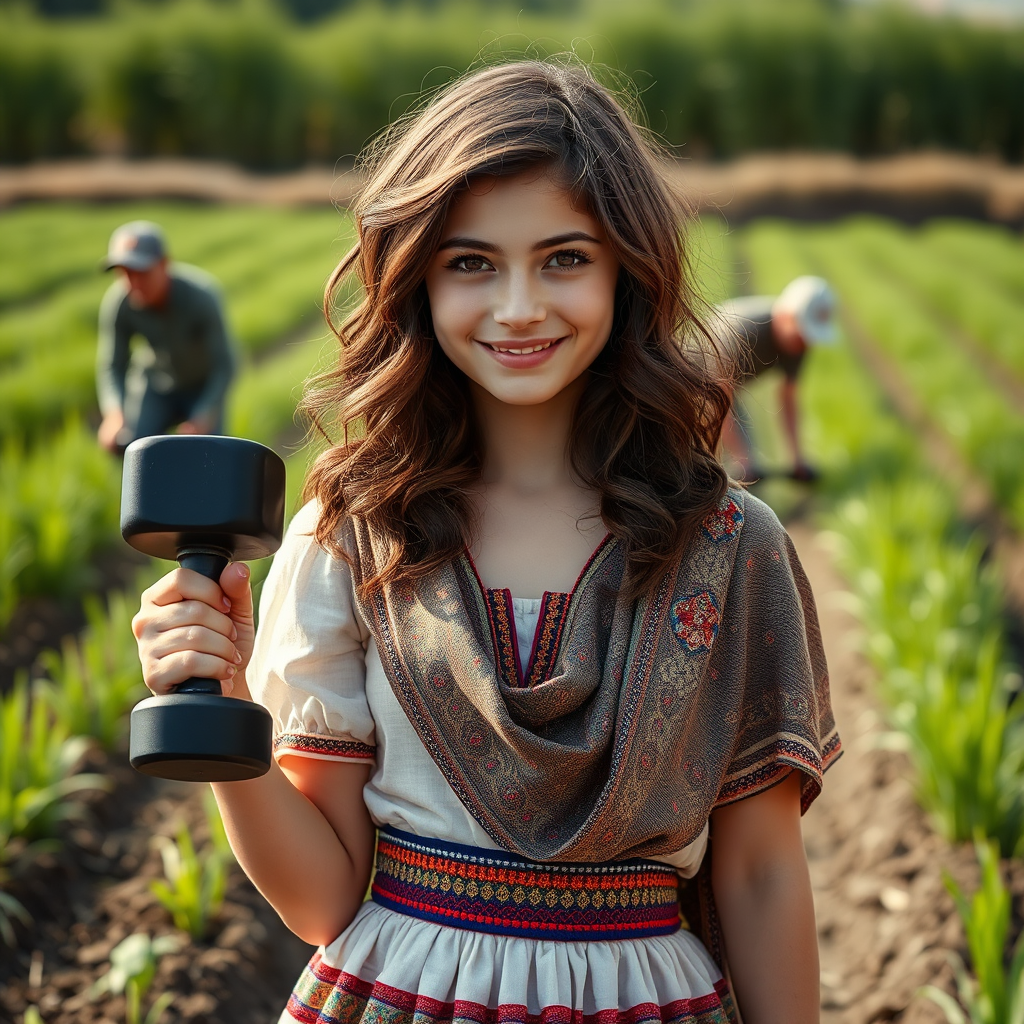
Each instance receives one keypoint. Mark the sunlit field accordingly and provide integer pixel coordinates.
(915, 419)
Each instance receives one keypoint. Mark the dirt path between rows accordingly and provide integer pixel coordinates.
(885, 920)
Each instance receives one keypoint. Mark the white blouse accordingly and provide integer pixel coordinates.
(315, 667)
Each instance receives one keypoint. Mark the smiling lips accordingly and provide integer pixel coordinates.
(525, 349)
(523, 355)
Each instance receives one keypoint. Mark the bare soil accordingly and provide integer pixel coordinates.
(885, 920)
(95, 892)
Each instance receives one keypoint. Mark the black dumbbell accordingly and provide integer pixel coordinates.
(202, 501)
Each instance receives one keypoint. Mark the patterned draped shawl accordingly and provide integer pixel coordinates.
(654, 712)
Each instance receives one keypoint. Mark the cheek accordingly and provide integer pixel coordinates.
(449, 310)
(593, 308)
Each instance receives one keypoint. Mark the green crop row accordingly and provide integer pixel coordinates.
(948, 282)
(52, 244)
(272, 265)
(720, 78)
(953, 391)
(992, 253)
(58, 504)
(928, 600)
(59, 499)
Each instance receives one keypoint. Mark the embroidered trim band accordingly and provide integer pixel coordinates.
(493, 891)
(327, 995)
(323, 746)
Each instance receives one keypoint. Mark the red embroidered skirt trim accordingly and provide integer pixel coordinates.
(494, 891)
(326, 995)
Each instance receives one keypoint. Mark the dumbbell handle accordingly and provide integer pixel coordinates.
(208, 560)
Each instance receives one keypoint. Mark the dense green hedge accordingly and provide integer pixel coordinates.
(232, 79)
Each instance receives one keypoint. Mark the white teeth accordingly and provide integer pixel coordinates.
(524, 351)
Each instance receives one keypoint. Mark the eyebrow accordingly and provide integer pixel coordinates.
(462, 242)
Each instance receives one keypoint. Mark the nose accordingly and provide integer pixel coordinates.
(520, 304)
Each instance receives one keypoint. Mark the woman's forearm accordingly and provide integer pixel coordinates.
(314, 877)
(771, 945)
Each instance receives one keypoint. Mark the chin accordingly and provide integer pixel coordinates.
(524, 396)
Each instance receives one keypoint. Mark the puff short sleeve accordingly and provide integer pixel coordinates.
(772, 658)
(308, 664)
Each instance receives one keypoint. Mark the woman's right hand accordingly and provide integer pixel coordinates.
(188, 626)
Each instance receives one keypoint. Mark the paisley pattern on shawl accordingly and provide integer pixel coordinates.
(654, 712)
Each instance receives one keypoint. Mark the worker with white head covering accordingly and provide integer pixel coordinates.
(759, 333)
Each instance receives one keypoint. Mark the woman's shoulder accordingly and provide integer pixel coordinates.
(301, 546)
(304, 521)
(759, 519)
(740, 514)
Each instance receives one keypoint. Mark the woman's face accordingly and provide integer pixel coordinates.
(522, 288)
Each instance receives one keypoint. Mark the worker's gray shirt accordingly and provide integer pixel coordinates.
(186, 345)
(744, 328)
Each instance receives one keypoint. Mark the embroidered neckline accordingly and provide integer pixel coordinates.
(554, 613)
(547, 633)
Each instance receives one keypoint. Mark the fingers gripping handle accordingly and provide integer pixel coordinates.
(208, 560)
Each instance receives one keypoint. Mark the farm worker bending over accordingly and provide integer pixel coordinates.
(759, 333)
(178, 373)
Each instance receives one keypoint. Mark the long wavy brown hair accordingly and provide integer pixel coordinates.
(405, 447)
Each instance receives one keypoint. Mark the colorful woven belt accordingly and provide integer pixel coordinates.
(493, 891)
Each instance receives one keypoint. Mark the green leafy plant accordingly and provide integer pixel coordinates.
(38, 784)
(60, 504)
(994, 994)
(97, 679)
(946, 381)
(195, 881)
(133, 963)
(38, 761)
(931, 611)
(967, 742)
(11, 910)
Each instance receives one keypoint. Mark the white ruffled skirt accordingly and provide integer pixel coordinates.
(391, 968)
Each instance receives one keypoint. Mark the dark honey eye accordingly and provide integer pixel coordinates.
(569, 258)
(467, 264)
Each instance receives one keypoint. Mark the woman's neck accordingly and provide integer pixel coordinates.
(525, 445)
(536, 525)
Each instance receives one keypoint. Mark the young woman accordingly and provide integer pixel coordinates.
(523, 633)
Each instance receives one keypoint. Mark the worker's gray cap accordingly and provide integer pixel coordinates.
(137, 245)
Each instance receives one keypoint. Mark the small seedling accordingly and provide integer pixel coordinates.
(38, 759)
(994, 994)
(11, 910)
(194, 890)
(133, 964)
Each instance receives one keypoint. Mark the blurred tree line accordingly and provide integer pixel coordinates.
(277, 83)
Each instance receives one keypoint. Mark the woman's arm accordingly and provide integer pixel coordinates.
(763, 894)
(301, 832)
